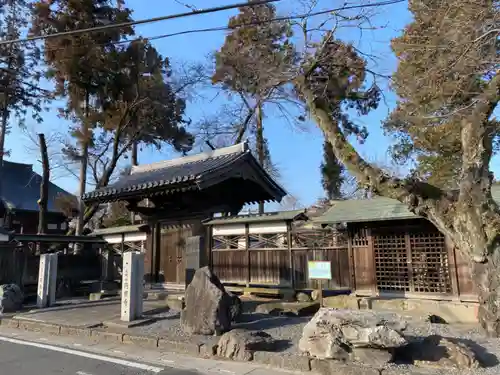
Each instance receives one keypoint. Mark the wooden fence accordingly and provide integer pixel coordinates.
(410, 259)
(21, 267)
(280, 259)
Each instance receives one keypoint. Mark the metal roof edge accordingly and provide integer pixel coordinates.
(120, 230)
(266, 217)
(238, 148)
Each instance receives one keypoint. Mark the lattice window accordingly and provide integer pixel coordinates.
(430, 268)
(267, 241)
(359, 237)
(391, 263)
(129, 246)
(228, 242)
(319, 238)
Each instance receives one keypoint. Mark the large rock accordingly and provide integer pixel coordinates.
(437, 351)
(240, 345)
(236, 308)
(11, 298)
(333, 334)
(207, 310)
(303, 297)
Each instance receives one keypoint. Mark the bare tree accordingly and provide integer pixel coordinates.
(290, 202)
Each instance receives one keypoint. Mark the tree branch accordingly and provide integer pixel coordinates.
(419, 196)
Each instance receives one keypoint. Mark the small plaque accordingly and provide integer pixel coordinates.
(319, 270)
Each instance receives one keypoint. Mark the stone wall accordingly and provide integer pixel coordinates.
(448, 311)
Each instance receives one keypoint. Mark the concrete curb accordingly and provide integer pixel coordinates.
(203, 350)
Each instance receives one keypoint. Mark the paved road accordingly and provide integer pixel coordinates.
(21, 359)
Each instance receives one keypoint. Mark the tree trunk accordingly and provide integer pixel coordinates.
(134, 156)
(84, 155)
(470, 217)
(3, 130)
(44, 186)
(260, 145)
(82, 187)
(135, 162)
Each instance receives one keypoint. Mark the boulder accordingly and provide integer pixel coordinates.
(315, 294)
(303, 297)
(207, 305)
(240, 345)
(236, 308)
(437, 351)
(11, 298)
(333, 334)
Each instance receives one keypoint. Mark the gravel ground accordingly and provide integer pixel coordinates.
(289, 330)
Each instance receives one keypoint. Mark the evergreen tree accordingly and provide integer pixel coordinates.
(19, 71)
(249, 64)
(81, 66)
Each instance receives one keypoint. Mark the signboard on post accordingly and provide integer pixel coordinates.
(319, 270)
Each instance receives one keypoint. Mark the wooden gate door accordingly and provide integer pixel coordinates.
(169, 254)
(182, 235)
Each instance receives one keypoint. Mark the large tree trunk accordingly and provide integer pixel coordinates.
(82, 187)
(470, 218)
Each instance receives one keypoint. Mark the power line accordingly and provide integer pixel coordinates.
(253, 23)
(256, 23)
(140, 22)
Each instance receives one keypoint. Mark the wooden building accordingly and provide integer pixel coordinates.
(394, 253)
(19, 195)
(181, 194)
(272, 250)
(124, 238)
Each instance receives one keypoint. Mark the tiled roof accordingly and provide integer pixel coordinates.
(375, 209)
(260, 218)
(20, 188)
(186, 173)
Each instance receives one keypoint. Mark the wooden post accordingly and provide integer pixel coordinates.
(409, 262)
(247, 249)
(352, 266)
(151, 250)
(371, 252)
(157, 251)
(209, 245)
(290, 253)
(320, 293)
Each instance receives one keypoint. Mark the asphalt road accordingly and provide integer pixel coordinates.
(20, 359)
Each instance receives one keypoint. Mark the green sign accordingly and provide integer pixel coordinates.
(319, 270)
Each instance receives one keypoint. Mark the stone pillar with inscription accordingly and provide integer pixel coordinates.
(132, 286)
(47, 280)
(107, 264)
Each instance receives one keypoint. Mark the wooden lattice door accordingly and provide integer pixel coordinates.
(415, 262)
(391, 263)
(430, 266)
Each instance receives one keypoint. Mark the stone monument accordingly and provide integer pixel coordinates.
(132, 286)
(47, 280)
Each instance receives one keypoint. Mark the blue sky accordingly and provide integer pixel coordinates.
(297, 153)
